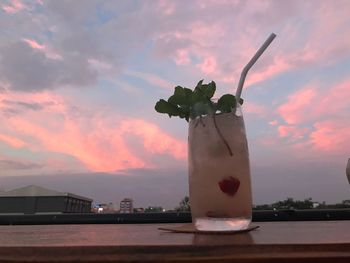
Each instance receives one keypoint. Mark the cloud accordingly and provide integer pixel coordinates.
(49, 53)
(25, 105)
(14, 103)
(318, 116)
(209, 65)
(253, 108)
(293, 132)
(98, 142)
(18, 165)
(152, 79)
(331, 136)
(182, 57)
(277, 65)
(206, 37)
(311, 103)
(12, 141)
(37, 72)
(293, 111)
(155, 141)
(13, 6)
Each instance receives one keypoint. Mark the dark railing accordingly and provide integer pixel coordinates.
(144, 218)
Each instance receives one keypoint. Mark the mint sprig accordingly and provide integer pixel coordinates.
(186, 103)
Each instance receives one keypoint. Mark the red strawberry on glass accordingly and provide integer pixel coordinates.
(229, 185)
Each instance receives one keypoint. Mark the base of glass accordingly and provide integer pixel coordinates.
(221, 224)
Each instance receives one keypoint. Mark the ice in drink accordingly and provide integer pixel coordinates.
(219, 172)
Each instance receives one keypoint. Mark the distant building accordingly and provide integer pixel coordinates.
(34, 199)
(139, 210)
(104, 208)
(126, 206)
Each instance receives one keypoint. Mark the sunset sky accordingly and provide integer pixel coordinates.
(79, 80)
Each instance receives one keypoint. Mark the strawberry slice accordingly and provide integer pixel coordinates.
(229, 185)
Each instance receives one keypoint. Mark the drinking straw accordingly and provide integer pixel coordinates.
(251, 63)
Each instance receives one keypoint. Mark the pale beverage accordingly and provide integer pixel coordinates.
(219, 172)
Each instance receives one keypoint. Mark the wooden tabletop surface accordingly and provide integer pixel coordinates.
(313, 241)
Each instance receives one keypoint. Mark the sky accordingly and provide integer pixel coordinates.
(79, 81)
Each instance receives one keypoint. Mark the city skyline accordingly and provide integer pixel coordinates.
(78, 85)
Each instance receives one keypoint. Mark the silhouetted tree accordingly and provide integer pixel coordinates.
(154, 209)
(184, 205)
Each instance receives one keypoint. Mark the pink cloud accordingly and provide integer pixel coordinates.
(253, 108)
(14, 6)
(166, 7)
(12, 141)
(100, 65)
(34, 44)
(154, 140)
(273, 123)
(293, 132)
(182, 57)
(335, 100)
(294, 110)
(324, 41)
(98, 151)
(48, 51)
(209, 65)
(311, 103)
(277, 66)
(152, 79)
(322, 109)
(331, 136)
(98, 143)
(51, 103)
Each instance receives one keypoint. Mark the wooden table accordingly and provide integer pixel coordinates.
(317, 241)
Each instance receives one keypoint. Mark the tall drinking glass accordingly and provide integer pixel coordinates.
(219, 172)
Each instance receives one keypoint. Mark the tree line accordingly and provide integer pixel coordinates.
(289, 203)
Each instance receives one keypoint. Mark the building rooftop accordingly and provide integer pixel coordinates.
(34, 190)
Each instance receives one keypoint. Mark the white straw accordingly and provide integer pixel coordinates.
(251, 63)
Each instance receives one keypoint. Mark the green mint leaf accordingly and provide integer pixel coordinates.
(210, 90)
(205, 90)
(187, 104)
(181, 96)
(199, 84)
(163, 106)
(226, 103)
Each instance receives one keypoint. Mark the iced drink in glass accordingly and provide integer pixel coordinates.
(219, 172)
